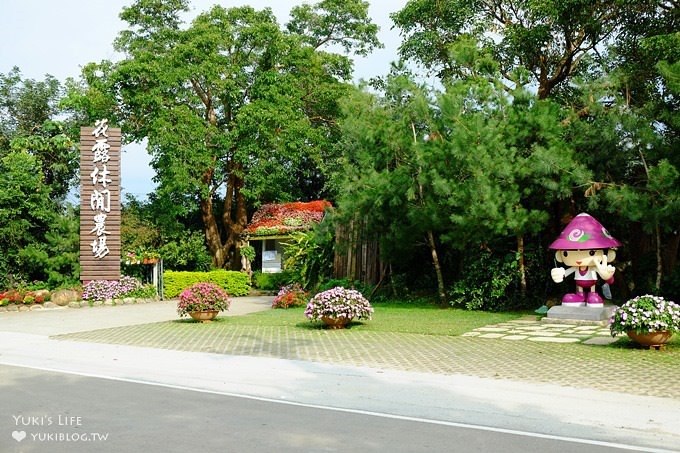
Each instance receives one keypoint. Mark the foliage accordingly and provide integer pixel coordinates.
(458, 168)
(550, 42)
(38, 163)
(235, 108)
(339, 302)
(101, 290)
(271, 281)
(234, 283)
(488, 282)
(248, 252)
(308, 256)
(202, 296)
(290, 296)
(645, 314)
(363, 288)
(25, 210)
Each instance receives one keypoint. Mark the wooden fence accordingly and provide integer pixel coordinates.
(357, 257)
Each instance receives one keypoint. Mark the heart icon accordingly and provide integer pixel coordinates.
(19, 435)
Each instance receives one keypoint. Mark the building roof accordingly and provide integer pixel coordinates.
(281, 219)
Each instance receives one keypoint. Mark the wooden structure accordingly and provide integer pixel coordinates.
(357, 257)
(100, 216)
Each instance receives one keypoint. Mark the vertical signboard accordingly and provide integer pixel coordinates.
(100, 202)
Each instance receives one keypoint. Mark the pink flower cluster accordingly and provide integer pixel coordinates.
(202, 296)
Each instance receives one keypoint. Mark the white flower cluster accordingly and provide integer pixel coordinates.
(339, 302)
(646, 313)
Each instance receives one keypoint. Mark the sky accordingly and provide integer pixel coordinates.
(59, 37)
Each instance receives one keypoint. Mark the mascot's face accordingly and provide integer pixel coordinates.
(583, 258)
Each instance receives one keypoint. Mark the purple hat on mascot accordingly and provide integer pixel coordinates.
(583, 233)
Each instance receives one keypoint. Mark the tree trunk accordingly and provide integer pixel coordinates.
(212, 233)
(223, 246)
(659, 261)
(437, 268)
(522, 269)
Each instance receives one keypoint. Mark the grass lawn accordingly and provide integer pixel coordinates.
(412, 317)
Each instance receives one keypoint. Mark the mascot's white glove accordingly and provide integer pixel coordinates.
(605, 271)
(557, 274)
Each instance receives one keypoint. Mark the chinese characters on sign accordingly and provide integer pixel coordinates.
(100, 202)
(100, 198)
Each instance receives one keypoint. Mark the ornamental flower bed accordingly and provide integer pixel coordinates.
(202, 297)
(26, 297)
(272, 219)
(290, 296)
(645, 314)
(339, 302)
(101, 290)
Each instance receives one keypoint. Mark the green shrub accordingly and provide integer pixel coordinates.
(489, 283)
(363, 288)
(271, 282)
(233, 282)
(147, 291)
(309, 256)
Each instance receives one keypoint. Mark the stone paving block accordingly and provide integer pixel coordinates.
(514, 337)
(491, 329)
(534, 327)
(491, 335)
(557, 326)
(471, 334)
(584, 328)
(601, 341)
(554, 339)
(542, 333)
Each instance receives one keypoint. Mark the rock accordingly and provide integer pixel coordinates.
(12, 307)
(36, 307)
(74, 304)
(44, 293)
(64, 297)
(49, 305)
(24, 308)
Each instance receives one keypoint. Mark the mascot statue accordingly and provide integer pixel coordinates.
(587, 248)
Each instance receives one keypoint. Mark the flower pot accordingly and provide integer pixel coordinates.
(650, 339)
(204, 315)
(335, 323)
(150, 260)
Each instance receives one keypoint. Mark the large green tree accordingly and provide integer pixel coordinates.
(553, 40)
(38, 163)
(460, 168)
(235, 108)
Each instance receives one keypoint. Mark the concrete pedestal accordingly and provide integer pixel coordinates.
(594, 315)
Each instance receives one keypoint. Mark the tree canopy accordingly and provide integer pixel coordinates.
(234, 107)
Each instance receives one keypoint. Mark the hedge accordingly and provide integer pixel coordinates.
(234, 283)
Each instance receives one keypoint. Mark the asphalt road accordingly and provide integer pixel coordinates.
(43, 411)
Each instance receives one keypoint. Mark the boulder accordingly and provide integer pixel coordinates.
(64, 297)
